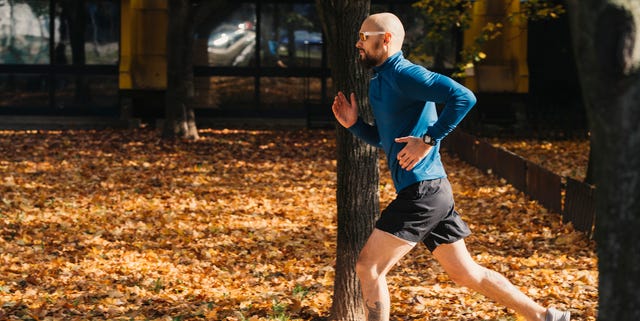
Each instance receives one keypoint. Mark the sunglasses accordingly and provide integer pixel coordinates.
(365, 35)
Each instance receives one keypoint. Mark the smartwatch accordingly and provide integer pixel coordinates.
(428, 140)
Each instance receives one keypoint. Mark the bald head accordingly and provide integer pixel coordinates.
(388, 22)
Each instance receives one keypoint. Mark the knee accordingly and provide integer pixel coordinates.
(469, 277)
(365, 270)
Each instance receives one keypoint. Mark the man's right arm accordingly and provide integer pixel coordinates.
(366, 132)
(346, 114)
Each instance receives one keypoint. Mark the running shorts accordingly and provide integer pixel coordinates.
(424, 212)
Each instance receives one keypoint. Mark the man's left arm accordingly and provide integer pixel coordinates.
(425, 85)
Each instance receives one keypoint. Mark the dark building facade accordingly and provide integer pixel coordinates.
(266, 59)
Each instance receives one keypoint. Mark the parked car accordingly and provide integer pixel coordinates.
(232, 45)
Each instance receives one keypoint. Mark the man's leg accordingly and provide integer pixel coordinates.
(381, 252)
(464, 271)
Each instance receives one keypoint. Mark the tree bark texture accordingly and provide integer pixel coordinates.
(607, 49)
(358, 174)
(185, 16)
(179, 116)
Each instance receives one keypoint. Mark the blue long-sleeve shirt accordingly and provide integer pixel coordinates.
(403, 97)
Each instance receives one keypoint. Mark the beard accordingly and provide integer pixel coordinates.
(369, 60)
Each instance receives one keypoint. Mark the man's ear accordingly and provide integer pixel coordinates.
(387, 37)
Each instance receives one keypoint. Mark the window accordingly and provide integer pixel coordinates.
(87, 32)
(292, 35)
(23, 91)
(222, 94)
(24, 32)
(73, 72)
(232, 40)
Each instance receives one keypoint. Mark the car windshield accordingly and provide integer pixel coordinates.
(225, 36)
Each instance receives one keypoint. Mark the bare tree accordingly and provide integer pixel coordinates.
(607, 49)
(358, 175)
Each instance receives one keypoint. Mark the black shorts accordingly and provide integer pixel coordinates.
(424, 212)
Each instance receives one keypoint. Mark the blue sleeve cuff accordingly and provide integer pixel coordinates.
(366, 132)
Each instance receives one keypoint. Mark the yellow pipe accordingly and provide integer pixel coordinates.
(143, 59)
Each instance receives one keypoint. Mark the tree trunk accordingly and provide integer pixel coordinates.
(75, 13)
(185, 16)
(180, 118)
(608, 54)
(358, 176)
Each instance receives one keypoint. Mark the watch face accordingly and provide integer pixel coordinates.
(428, 140)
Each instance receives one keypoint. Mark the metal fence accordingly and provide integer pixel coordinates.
(571, 198)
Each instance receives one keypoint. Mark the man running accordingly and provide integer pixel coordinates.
(408, 128)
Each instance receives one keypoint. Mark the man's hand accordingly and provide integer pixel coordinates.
(413, 152)
(346, 113)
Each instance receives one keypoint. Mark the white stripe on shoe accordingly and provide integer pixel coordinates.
(556, 315)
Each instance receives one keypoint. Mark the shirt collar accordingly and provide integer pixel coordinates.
(392, 60)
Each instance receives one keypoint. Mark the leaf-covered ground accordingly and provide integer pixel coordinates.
(240, 225)
(564, 157)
